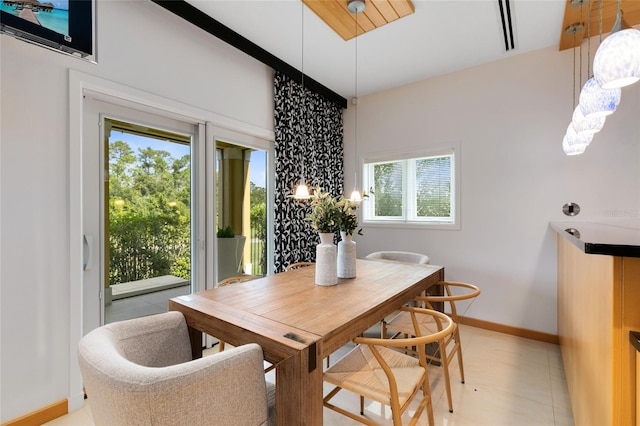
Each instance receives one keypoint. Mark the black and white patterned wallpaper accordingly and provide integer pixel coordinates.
(320, 150)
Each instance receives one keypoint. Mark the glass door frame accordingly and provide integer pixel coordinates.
(218, 133)
(82, 85)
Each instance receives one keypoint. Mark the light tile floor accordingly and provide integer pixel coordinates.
(509, 381)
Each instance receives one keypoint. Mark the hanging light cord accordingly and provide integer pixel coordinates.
(304, 107)
(355, 147)
(600, 22)
(589, 43)
(356, 7)
(574, 72)
(580, 74)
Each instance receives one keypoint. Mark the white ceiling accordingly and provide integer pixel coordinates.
(441, 37)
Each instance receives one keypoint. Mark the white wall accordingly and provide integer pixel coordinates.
(140, 45)
(510, 117)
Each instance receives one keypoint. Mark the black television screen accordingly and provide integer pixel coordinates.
(65, 25)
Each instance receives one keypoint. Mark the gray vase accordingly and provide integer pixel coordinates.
(346, 256)
(326, 268)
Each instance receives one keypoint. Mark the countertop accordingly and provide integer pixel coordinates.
(601, 238)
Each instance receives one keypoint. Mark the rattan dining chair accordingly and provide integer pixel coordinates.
(235, 280)
(298, 265)
(394, 256)
(402, 325)
(374, 369)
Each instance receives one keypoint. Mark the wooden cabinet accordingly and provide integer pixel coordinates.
(598, 304)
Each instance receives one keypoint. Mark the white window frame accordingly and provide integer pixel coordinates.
(408, 219)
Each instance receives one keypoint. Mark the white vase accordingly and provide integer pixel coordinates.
(346, 256)
(326, 269)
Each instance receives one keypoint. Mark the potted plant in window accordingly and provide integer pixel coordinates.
(324, 218)
(230, 247)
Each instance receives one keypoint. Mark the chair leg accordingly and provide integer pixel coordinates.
(221, 346)
(444, 363)
(459, 354)
(429, 409)
(426, 392)
(361, 405)
(327, 361)
(396, 415)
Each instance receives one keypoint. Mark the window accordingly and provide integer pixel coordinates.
(417, 189)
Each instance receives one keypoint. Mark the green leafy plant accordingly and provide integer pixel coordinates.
(325, 212)
(348, 219)
(226, 232)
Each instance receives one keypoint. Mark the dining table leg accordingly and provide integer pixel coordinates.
(299, 388)
(195, 338)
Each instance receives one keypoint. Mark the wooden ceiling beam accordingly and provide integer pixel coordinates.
(402, 8)
(590, 19)
(385, 9)
(377, 13)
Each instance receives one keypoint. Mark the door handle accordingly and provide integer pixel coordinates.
(87, 252)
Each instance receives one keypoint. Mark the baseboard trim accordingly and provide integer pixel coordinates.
(43, 415)
(508, 329)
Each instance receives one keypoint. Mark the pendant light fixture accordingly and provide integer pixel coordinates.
(574, 140)
(575, 149)
(594, 100)
(581, 124)
(356, 7)
(584, 125)
(302, 190)
(617, 60)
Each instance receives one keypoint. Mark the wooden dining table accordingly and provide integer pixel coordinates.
(298, 323)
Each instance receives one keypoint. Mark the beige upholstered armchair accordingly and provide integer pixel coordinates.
(140, 372)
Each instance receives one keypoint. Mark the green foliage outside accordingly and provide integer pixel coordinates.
(433, 188)
(388, 189)
(433, 196)
(258, 218)
(149, 214)
(150, 217)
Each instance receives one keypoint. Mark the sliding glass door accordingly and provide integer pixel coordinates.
(139, 222)
(147, 219)
(241, 201)
(155, 192)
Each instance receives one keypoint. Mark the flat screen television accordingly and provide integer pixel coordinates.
(64, 25)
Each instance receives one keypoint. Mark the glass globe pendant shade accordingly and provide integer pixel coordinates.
(595, 101)
(572, 149)
(302, 191)
(356, 198)
(617, 60)
(573, 143)
(585, 126)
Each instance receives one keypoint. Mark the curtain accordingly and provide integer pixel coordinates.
(308, 135)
